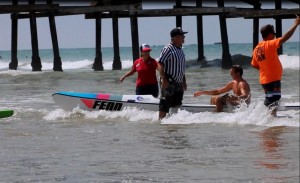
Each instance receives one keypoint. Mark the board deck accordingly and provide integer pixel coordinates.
(115, 102)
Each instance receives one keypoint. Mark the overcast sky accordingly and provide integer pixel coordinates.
(77, 32)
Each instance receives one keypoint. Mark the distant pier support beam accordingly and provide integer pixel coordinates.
(13, 65)
(57, 60)
(256, 28)
(98, 64)
(201, 58)
(255, 32)
(226, 57)
(278, 22)
(36, 61)
(134, 37)
(178, 17)
(117, 65)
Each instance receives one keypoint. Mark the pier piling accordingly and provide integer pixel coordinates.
(134, 37)
(278, 25)
(226, 57)
(56, 60)
(98, 64)
(36, 60)
(117, 65)
(201, 58)
(13, 65)
(133, 9)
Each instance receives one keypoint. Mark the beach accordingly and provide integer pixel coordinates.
(43, 143)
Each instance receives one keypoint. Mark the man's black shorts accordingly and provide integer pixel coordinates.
(171, 96)
(273, 93)
(147, 90)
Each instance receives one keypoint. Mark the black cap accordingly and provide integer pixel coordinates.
(177, 31)
(266, 30)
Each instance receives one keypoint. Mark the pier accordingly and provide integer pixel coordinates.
(98, 10)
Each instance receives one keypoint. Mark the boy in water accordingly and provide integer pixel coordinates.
(238, 85)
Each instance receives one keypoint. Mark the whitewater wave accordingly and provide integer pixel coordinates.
(66, 65)
(256, 114)
(287, 61)
(290, 62)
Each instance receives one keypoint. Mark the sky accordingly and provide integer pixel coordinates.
(74, 31)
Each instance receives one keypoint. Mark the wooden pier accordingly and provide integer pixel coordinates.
(132, 9)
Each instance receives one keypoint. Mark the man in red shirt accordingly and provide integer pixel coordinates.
(145, 66)
(265, 59)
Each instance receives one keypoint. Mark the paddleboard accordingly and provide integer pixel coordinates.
(283, 116)
(115, 102)
(6, 113)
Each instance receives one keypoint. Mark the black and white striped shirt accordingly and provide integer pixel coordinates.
(173, 59)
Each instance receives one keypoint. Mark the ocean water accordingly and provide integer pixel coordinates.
(43, 143)
(83, 58)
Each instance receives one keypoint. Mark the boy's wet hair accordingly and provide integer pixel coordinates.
(266, 30)
(237, 68)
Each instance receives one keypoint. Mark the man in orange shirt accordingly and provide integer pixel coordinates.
(265, 59)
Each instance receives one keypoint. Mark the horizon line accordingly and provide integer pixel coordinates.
(154, 45)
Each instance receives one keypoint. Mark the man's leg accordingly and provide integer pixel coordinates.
(163, 108)
(219, 104)
(218, 101)
(161, 115)
(273, 95)
(213, 100)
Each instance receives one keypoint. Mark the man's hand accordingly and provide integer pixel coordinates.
(164, 83)
(198, 93)
(184, 86)
(297, 21)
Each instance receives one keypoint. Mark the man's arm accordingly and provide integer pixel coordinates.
(290, 33)
(130, 73)
(244, 90)
(255, 67)
(225, 89)
(158, 66)
(254, 63)
(184, 83)
(164, 81)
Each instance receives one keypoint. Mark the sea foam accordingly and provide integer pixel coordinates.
(256, 114)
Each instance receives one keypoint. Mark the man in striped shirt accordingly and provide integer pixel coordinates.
(172, 73)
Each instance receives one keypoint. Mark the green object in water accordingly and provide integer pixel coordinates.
(6, 113)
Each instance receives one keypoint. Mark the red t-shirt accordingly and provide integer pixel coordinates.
(146, 71)
(266, 58)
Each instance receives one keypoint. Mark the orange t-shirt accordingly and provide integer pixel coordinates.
(265, 57)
